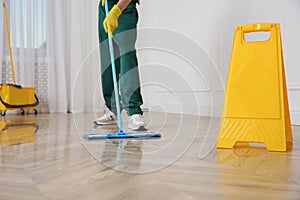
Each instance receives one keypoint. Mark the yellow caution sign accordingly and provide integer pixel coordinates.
(256, 105)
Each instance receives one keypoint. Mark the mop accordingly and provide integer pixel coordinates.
(120, 134)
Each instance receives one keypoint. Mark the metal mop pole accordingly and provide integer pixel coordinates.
(113, 66)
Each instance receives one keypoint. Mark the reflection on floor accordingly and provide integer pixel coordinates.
(45, 157)
(15, 132)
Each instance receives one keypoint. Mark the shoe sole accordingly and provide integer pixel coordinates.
(103, 123)
(139, 128)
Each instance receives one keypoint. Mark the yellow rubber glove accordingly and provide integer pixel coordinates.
(110, 23)
(103, 2)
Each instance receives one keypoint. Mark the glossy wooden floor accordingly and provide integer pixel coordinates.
(45, 157)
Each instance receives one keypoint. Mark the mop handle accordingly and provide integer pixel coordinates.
(113, 67)
(8, 43)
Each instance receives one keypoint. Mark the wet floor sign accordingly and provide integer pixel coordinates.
(256, 105)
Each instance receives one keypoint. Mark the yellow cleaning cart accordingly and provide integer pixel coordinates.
(13, 96)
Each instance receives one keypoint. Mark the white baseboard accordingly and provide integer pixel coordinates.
(295, 117)
(205, 110)
(199, 110)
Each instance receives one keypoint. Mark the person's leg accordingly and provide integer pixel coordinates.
(106, 71)
(125, 37)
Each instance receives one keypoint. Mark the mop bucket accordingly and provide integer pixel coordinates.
(13, 96)
(17, 97)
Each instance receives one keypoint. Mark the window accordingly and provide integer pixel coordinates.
(27, 23)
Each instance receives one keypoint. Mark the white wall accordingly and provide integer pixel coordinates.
(209, 27)
(185, 70)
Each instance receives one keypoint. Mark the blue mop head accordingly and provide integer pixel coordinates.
(121, 135)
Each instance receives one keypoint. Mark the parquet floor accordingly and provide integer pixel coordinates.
(45, 157)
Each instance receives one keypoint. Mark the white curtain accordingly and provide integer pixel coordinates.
(56, 57)
(55, 49)
(84, 54)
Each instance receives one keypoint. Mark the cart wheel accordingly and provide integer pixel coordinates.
(22, 112)
(35, 111)
(3, 113)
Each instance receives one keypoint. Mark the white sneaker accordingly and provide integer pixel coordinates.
(107, 119)
(136, 122)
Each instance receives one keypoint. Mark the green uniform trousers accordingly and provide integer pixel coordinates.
(125, 60)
